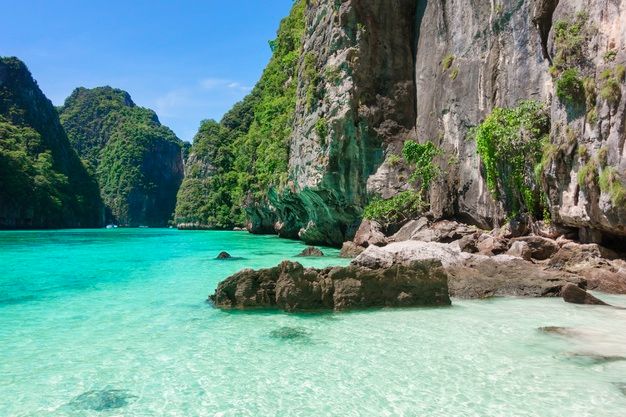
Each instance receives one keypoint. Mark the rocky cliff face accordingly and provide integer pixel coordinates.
(138, 162)
(43, 183)
(372, 76)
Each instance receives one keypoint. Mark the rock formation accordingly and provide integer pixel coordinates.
(291, 287)
(369, 78)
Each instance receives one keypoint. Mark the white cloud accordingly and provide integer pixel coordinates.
(167, 104)
(223, 84)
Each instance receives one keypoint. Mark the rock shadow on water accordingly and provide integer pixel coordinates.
(102, 400)
(593, 358)
(621, 386)
(291, 334)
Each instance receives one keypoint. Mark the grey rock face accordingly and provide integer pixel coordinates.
(430, 71)
(361, 102)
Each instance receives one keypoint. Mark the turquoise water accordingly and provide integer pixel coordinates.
(115, 323)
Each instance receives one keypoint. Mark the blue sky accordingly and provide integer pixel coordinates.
(187, 60)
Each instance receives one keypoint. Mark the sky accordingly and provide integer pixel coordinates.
(188, 60)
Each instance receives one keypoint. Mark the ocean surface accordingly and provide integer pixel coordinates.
(116, 323)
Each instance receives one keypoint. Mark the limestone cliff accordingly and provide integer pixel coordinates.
(373, 75)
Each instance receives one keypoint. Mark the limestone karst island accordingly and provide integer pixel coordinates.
(280, 208)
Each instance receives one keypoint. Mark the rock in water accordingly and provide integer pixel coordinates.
(573, 294)
(311, 251)
(102, 400)
(224, 255)
(290, 333)
(291, 287)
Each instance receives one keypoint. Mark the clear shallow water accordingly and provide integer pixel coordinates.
(115, 323)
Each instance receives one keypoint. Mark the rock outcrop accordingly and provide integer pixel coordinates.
(475, 275)
(43, 183)
(291, 287)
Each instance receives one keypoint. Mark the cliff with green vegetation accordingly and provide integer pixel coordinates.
(486, 113)
(234, 165)
(137, 161)
(43, 183)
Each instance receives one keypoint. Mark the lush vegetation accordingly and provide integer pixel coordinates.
(137, 160)
(395, 210)
(251, 141)
(421, 155)
(510, 142)
(611, 89)
(42, 181)
(570, 38)
(569, 87)
(611, 183)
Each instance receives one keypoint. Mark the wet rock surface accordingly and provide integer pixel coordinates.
(576, 295)
(291, 287)
(224, 255)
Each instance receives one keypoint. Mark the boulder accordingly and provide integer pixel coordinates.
(572, 253)
(520, 249)
(350, 250)
(311, 251)
(444, 231)
(595, 263)
(491, 245)
(369, 233)
(291, 287)
(474, 275)
(574, 294)
(407, 231)
(469, 243)
(224, 255)
(504, 275)
(541, 248)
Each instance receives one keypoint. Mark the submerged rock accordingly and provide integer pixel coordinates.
(311, 251)
(558, 330)
(290, 333)
(592, 358)
(576, 295)
(621, 386)
(102, 400)
(224, 255)
(291, 287)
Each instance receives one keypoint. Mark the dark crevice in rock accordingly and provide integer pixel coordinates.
(542, 18)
